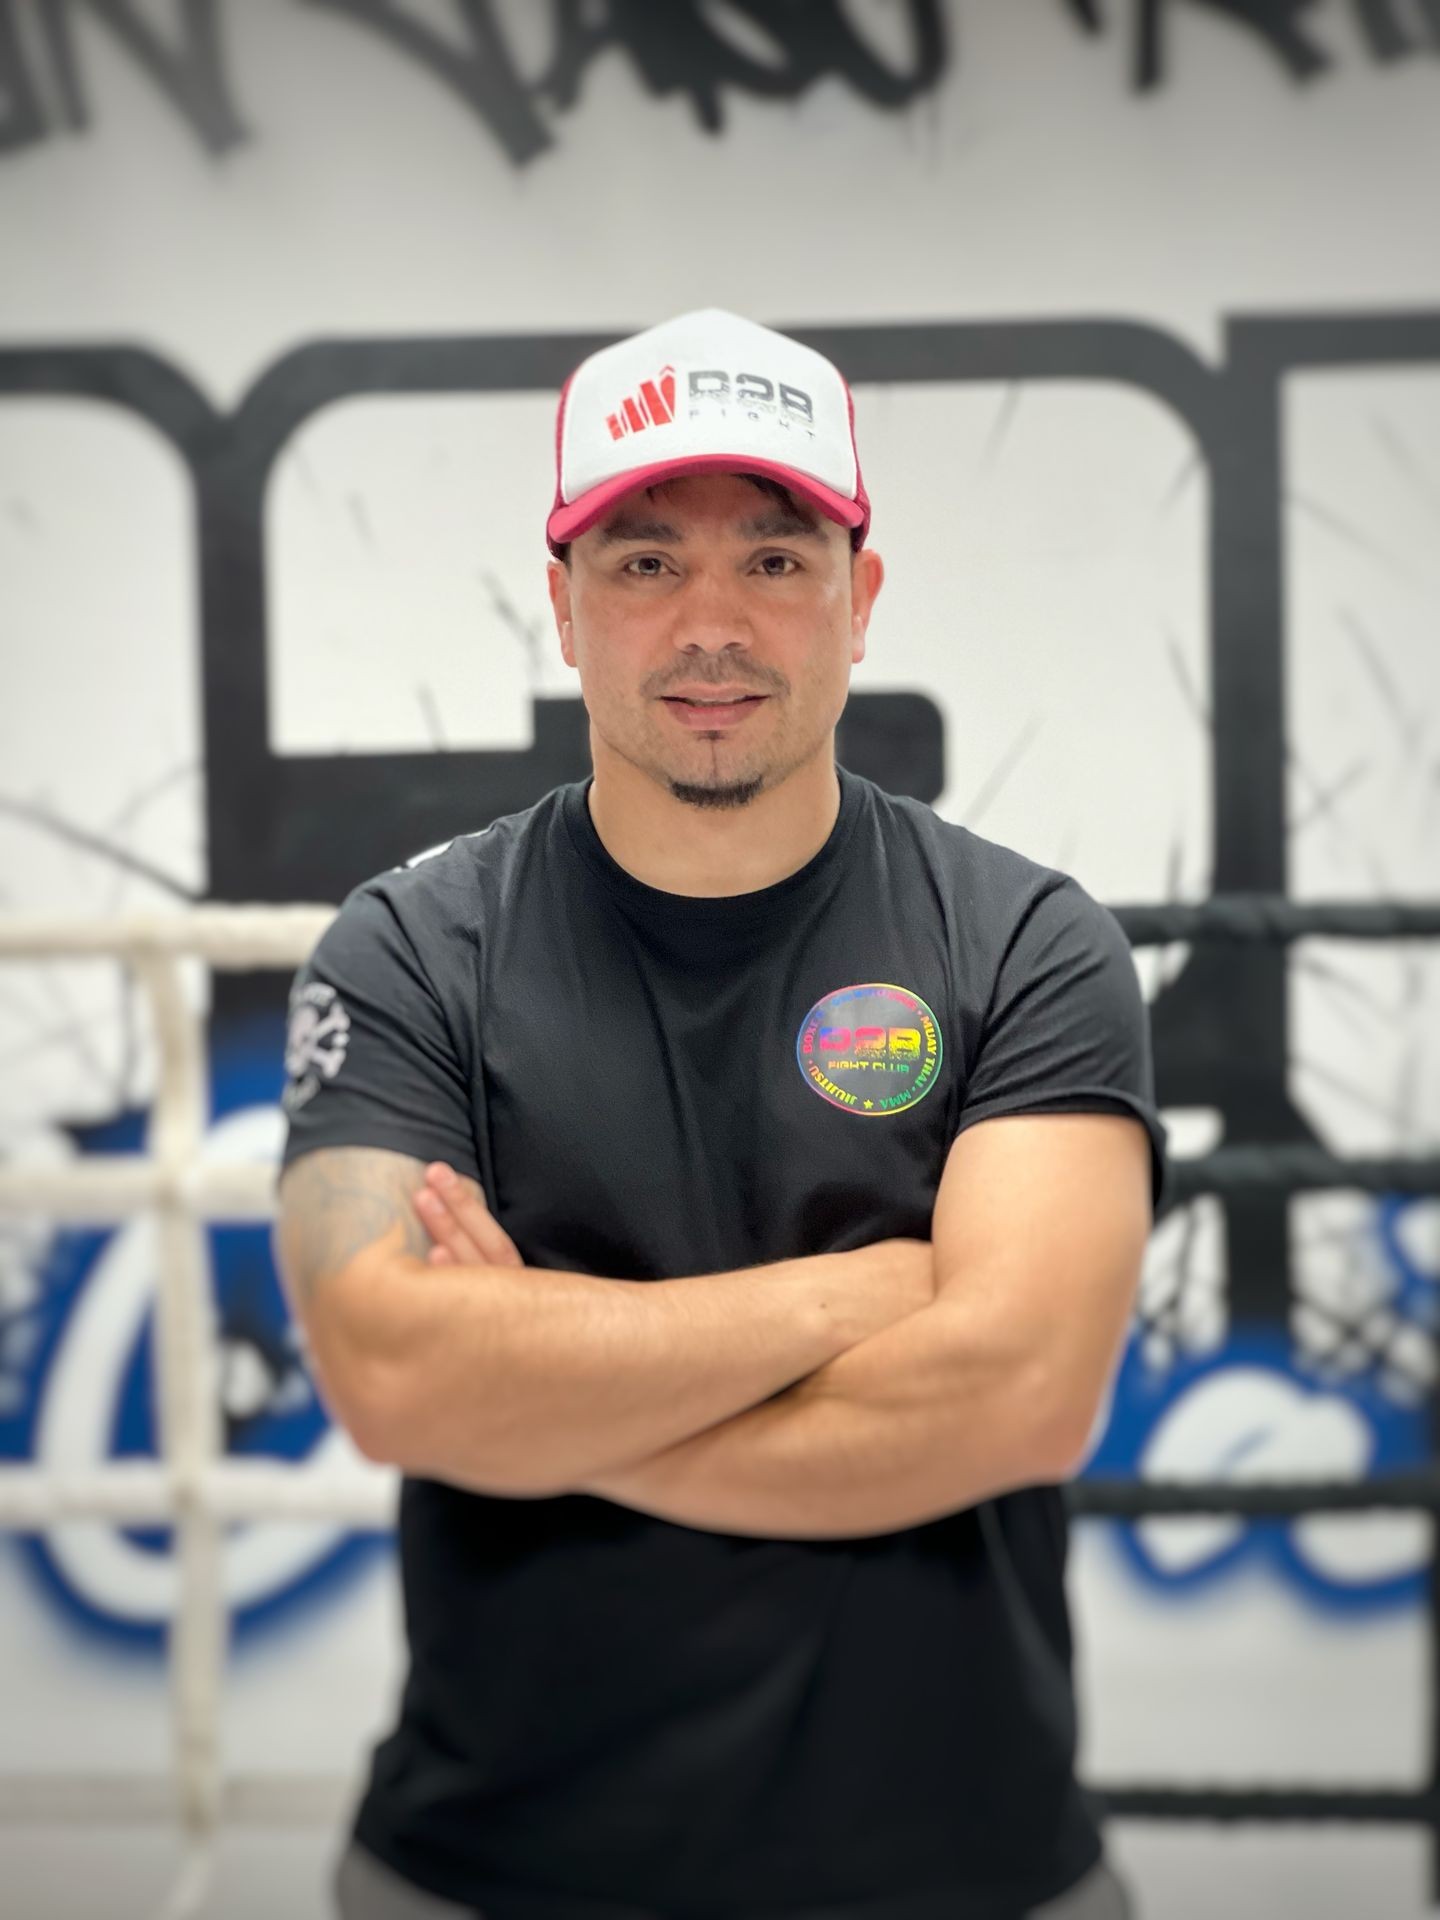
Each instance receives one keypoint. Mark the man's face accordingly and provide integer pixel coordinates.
(711, 585)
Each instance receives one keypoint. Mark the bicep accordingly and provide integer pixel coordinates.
(345, 1215)
(1067, 1030)
(1039, 1228)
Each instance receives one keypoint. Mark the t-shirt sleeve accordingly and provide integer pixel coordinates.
(369, 1058)
(1067, 1029)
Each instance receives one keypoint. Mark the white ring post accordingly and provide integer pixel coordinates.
(190, 1483)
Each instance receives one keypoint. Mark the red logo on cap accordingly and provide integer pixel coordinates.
(652, 406)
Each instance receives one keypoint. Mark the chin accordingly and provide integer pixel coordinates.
(717, 794)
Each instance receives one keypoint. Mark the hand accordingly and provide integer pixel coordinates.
(453, 1212)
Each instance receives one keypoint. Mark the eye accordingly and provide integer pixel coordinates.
(646, 566)
(778, 565)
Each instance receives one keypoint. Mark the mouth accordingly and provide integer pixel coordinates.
(708, 716)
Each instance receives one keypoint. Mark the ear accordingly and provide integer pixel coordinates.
(557, 577)
(867, 576)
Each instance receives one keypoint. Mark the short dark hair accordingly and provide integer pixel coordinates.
(762, 480)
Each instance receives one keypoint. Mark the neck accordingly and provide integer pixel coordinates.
(712, 851)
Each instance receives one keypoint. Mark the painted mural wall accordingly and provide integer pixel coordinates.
(1141, 307)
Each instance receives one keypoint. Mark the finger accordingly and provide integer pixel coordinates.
(454, 1209)
(476, 1219)
(445, 1230)
(440, 1257)
(466, 1203)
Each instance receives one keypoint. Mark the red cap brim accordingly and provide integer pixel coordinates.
(566, 522)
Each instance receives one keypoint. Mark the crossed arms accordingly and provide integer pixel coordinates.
(836, 1395)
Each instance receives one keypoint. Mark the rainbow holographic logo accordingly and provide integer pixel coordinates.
(871, 1049)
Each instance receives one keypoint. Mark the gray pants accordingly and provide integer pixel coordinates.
(366, 1889)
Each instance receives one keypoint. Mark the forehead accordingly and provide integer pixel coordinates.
(730, 503)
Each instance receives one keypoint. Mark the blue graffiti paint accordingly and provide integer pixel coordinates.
(1143, 1397)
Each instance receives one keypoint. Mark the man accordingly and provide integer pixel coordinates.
(721, 1189)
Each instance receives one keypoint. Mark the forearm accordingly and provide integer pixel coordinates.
(922, 1419)
(525, 1379)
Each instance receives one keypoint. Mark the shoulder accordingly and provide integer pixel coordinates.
(993, 884)
(1008, 917)
(456, 877)
(425, 918)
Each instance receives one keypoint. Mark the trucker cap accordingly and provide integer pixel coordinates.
(705, 392)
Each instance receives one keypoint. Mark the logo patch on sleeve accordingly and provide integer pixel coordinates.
(315, 1041)
(871, 1049)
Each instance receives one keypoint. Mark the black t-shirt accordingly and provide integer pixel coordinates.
(607, 1714)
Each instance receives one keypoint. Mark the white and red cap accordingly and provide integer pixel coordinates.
(705, 392)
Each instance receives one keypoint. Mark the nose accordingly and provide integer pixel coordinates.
(711, 614)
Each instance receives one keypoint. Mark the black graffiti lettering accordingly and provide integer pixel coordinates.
(682, 48)
(1384, 35)
(709, 383)
(1276, 22)
(796, 400)
(754, 386)
(187, 69)
(696, 48)
(481, 71)
(1383, 26)
(879, 84)
(22, 120)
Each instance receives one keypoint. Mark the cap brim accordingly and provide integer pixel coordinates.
(567, 522)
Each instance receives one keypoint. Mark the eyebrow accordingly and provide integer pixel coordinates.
(780, 523)
(627, 527)
(768, 526)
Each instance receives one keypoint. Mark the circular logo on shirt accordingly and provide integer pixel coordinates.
(870, 1049)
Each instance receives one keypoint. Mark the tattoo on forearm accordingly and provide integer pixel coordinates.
(337, 1201)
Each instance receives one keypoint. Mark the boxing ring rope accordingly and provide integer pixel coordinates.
(191, 1487)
